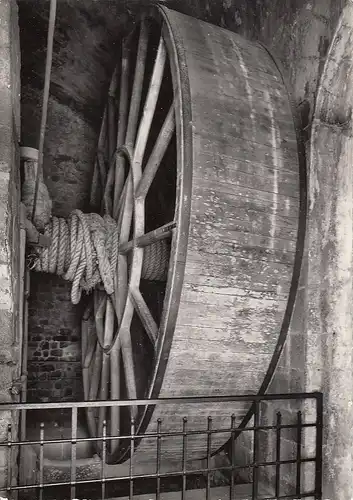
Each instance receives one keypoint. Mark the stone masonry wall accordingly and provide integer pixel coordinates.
(81, 67)
(9, 219)
(54, 350)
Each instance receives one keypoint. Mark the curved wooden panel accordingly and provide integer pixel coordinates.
(242, 227)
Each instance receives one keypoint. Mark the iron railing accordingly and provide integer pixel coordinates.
(263, 468)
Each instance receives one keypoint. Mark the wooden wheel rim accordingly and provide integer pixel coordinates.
(181, 222)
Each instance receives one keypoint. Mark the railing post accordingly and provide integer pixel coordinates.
(9, 457)
(256, 447)
(104, 457)
(318, 453)
(299, 454)
(278, 452)
(132, 447)
(73, 452)
(158, 468)
(41, 461)
(232, 437)
(209, 440)
(185, 438)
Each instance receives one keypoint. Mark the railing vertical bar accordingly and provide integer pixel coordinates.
(232, 425)
(9, 457)
(185, 423)
(209, 438)
(255, 485)
(41, 460)
(104, 457)
(278, 452)
(299, 453)
(158, 468)
(132, 444)
(318, 452)
(73, 452)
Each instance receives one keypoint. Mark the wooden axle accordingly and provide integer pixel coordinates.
(143, 241)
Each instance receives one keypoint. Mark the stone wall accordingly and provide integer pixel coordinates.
(299, 34)
(54, 348)
(9, 219)
(82, 63)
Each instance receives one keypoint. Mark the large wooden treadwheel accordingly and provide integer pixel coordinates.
(197, 149)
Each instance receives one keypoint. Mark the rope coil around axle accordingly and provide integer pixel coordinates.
(84, 249)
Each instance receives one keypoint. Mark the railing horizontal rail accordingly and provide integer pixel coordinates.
(178, 473)
(147, 402)
(157, 434)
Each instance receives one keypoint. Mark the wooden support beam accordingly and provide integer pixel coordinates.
(160, 233)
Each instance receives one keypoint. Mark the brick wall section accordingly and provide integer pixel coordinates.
(54, 347)
(9, 215)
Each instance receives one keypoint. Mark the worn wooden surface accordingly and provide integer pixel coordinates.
(235, 242)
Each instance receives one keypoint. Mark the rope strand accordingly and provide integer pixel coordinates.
(84, 250)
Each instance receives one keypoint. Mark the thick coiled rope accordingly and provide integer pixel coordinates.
(84, 250)
(155, 261)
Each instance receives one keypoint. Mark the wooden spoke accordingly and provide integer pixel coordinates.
(88, 353)
(86, 365)
(157, 154)
(122, 122)
(124, 91)
(100, 301)
(122, 146)
(115, 393)
(95, 379)
(145, 315)
(126, 202)
(160, 233)
(124, 223)
(102, 168)
(93, 389)
(105, 377)
(121, 203)
(112, 143)
(95, 185)
(150, 104)
(126, 350)
(100, 149)
(111, 116)
(137, 85)
(107, 196)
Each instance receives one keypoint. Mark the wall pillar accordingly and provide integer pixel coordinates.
(329, 290)
(9, 218)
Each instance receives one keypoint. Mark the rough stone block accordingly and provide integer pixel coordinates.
(5, 26)
(3, 481)
(5, 420)
(6, 328)
(5, 84)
